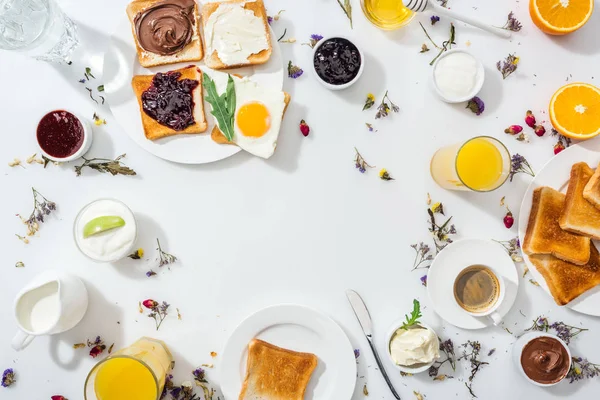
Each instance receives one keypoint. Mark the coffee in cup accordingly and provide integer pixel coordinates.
(478, 290)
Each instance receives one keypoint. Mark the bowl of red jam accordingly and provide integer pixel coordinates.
(337, 62)
(63, 136)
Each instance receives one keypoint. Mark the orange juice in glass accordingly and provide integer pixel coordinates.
(136, 372)
(480, 164)
(387, 14)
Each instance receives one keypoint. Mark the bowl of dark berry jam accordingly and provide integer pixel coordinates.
(337, 62)
(62, 136)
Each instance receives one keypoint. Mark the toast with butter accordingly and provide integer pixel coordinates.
(567, 281)
(544, 234)
(591, 192)
(165, 31)
(241, 39)
(579, 215)
(155, 130)
(274, 373)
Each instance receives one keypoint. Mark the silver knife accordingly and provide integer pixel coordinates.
(364, 319)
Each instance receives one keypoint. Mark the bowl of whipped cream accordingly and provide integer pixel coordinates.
(412, 350)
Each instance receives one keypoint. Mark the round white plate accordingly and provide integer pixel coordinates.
(555, 174)
(295, 328)
(458, 256)
(121, 64)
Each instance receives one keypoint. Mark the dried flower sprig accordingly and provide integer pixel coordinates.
(347, 7)
(441, 233)
(97, 346)
(471, 350)
(314, 39)
(360, 163)
(370, 127)
(446, 45)
(434, 19)
(508, 66)
(384, 108)
(508, 219)
(422, 256)
(8, 377)
(97, 120)
(164, 257)
(519, 165)
(562, 143)
(113, 167)
(294, 71)
(512, 24)
(446, 347)
(563, 331)
(159, 311)
(136, 255)
(42, 207)
(369, 102)
(476, 105)
(581, 368)
(513, 248)
(385, 175)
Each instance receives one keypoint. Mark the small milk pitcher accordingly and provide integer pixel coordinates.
(53, 302)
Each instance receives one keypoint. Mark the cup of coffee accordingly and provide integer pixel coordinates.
(479, 291)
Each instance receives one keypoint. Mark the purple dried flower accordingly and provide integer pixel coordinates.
(434, 19)
(269, 19)
(199, 375)
(424, 280)
(294, 71)
(512, 24)
(150, 273)
(476, 105)
(8, 377)
(507, 66)
(356, 353)
(519, 165)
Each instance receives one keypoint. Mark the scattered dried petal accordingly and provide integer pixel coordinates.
(365, 390)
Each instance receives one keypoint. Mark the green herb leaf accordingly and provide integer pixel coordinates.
(88, 72)
(414, 316)
(231, 98)
(220, 104)
(101, 88)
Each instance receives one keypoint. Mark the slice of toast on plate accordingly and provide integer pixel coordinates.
(579, 215)
(154, 130)
(567, 281)
(192, 51)
(214, 43)
(218, 136)
(274, 373)
(591, 192)
(544, 234)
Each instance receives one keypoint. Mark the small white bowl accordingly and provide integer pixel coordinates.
(345, 85)
(87, 139)
(478, 84)
(518, 350)
(406, 368)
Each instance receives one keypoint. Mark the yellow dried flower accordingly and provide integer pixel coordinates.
(371, 97)
(437, 208)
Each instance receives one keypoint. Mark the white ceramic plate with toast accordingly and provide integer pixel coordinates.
(556, 174)
(300, 329)
(121, 64)
(454, 258)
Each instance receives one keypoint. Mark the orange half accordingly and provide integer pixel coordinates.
(559, 17)
(575, 110)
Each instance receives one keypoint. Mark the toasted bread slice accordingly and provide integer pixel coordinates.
(193, 51)
(218, 136)
(212, 59)
(152, 128)
(544, 234)
(567, 281)
(579, 215)
(274, 373)
(591, 192)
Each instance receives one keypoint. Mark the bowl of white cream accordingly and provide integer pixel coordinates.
(106, 245)
(457, 76)
(412, 350)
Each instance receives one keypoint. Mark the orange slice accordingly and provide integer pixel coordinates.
(559, 17)
(575, 110)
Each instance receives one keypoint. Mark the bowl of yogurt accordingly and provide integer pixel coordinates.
(105, 230)
(458, 76)
(412, 350)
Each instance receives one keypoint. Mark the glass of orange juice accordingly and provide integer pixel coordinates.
(136, 372)
(387, 14)
(480, 164)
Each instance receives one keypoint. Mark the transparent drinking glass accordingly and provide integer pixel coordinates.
(37, 28)
(135, 372)
(480, 164)
(387, 14)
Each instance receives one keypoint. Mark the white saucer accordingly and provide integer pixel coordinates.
(453, 259)
(295, 328)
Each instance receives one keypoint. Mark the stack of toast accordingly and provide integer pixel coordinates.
(559, 233)
(274, 373)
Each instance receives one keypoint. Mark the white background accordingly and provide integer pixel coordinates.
(301, 227)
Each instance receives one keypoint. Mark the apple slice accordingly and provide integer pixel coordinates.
(102, 224)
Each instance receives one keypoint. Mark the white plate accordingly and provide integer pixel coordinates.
(458, 256)
(555, 174)
(296, 328)
(121, 64)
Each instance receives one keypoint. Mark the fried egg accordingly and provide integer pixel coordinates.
(258, 114)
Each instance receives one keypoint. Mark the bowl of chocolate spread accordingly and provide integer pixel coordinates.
(542, 358)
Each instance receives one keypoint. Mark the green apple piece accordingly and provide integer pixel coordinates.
(102, 224)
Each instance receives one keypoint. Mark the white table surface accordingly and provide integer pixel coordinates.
(299, 228)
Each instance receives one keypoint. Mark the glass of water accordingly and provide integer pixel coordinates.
(37, 28)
